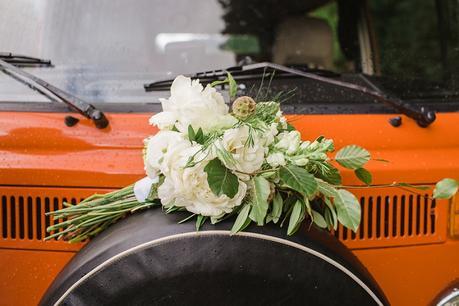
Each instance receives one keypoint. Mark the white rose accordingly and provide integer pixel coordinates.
(191, 104)
(248, 158)
(157, 146)
(289, 141)
(276, 160)
(188, 187)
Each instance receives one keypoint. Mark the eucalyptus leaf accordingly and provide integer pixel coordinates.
(445, 189)
(241, 219)
(260, 194)
(364, 175)
(352, 157)
(296, 217)
(221, 180)
(318, 219)
(348, 209)
(298, 179)
(276, 211)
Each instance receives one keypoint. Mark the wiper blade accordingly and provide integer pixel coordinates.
(79, 105)
(23, 60)
(240, 73)
(422, 116)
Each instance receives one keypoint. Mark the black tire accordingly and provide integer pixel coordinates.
(149, 259)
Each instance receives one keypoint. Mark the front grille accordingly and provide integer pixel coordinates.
(390, 217)
(22, 215)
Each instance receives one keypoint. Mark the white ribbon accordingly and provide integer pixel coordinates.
(142, 188)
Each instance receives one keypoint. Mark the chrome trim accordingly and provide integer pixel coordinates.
(449, 297)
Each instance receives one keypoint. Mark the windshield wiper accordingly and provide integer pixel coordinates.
(422, 116)
(79, 105)
(23, 60)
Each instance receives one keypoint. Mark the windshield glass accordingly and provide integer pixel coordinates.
(106, 50)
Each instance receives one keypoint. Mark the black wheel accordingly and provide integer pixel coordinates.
(149, 259)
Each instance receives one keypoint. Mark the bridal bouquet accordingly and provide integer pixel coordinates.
(214, 163)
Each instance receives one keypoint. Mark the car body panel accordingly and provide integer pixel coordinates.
(40, 154)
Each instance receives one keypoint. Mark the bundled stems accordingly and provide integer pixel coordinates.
(94, 214)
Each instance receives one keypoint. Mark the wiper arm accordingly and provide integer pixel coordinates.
(79, 105)
(23, 60)
(422, 116)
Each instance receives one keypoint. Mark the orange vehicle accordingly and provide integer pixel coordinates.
(104, 52)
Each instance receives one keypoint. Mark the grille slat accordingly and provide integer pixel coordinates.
(4, 218)
(396, 218)
(22, 215)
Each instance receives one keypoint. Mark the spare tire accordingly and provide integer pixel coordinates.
(149, 259)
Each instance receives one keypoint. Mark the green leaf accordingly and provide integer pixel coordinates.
(221, 180)
(352, 157)
(328, 218)
(191, 133)
(241, 219)
(232, 85)
(307, 205)
(298, 179)
(332, 176)
(199, 137)
(364, 175)
(260, 194)
(348, 209)
(332, 211)
(325, 188)
(200, 220)
(445, 189)
(296, 217)
(277, 207)
(318, 219)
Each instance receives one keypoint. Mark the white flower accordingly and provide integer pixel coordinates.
(289, 141)
(248, 157)
(188, 187)
(304, 145)
(191, 104)
(281, 119)
(276, 160)
(157, 146)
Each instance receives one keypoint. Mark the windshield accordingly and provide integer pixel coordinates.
(106, 50)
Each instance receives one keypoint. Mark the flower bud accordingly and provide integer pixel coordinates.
(302, 161)
(243, 107)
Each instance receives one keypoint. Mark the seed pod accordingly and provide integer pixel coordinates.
(243, 107)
